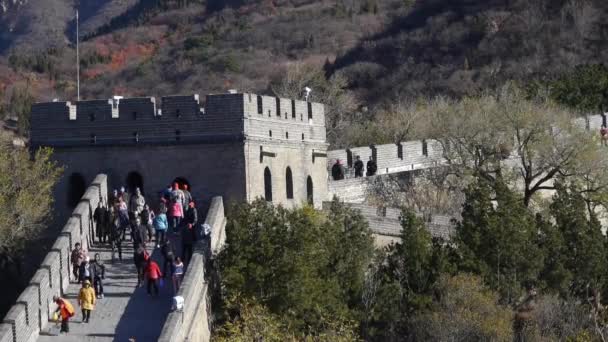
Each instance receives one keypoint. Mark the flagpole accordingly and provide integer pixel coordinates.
(77, 59)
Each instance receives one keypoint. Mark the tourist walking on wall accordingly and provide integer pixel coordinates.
(176, 214)
(85, 270)
(116, 237)
(358, 167)
(187, 196)
(86, 300)
(99, 216)
(160, 226)
(140, 258)
(371, 166)
(147, 217)
(153, 274)
(168, 254)
(77, 257)
(337, 171)
(66, 311)
(98, 271)
(178, 273)
(139, 233)
(137, 202)
(189, 232)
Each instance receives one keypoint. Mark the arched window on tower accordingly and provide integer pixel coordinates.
(76, 188)
(135, 180)
(289, 183)
(267, 185)
(309, 191)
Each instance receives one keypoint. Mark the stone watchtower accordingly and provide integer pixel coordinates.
(240, 146)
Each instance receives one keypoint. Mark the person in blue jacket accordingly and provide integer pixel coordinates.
(160, 225)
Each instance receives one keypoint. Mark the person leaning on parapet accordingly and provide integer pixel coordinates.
(98, 273)
(76, 258)
(371, 167)
(337, 171)
(86, 300)
(177, 268)
(65, 310)
(358, 167)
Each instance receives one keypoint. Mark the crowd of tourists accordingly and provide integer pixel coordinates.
(128, 216)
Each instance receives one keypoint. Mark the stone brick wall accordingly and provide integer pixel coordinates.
(193, 322)
(211, 169)
(300, 158)
(385, 223)
(292, 123)
(30, 315)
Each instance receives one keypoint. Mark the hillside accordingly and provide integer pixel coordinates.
(163, 47)
(386, 49)
(460, 47)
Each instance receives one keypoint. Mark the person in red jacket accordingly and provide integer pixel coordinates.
(153, 274)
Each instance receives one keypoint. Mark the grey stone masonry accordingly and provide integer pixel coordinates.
(387, 222)
(30, 315)
(194, 321)
(182, 119)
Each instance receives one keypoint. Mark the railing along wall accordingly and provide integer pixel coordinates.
(30, 315)
(193, 322)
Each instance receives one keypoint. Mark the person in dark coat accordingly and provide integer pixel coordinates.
(189, 232)
(371, 167)
(99, 216)
(147, 217)
(358, 167)
(139, 232)
(140, 258)
(168, 254)
(116, 235)
(337, 171)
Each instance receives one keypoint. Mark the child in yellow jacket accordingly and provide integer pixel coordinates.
(86, 300)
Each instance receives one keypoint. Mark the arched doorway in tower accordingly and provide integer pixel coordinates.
(182, 182)
(309, 191)
(135, 180)
(288, 183)
(76, 188)
(267, 185)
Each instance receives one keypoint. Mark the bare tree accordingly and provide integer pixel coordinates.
(505, 135)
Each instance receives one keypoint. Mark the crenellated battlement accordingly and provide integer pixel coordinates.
(176, 119)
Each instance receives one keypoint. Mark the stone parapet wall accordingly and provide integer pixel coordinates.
(387, 222)
(414, 155)
(179, 119)
(193, 323)
(30, 315)
(390, 158)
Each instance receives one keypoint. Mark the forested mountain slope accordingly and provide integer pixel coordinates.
(459, 47)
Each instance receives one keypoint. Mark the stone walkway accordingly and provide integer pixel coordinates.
(125, 312)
